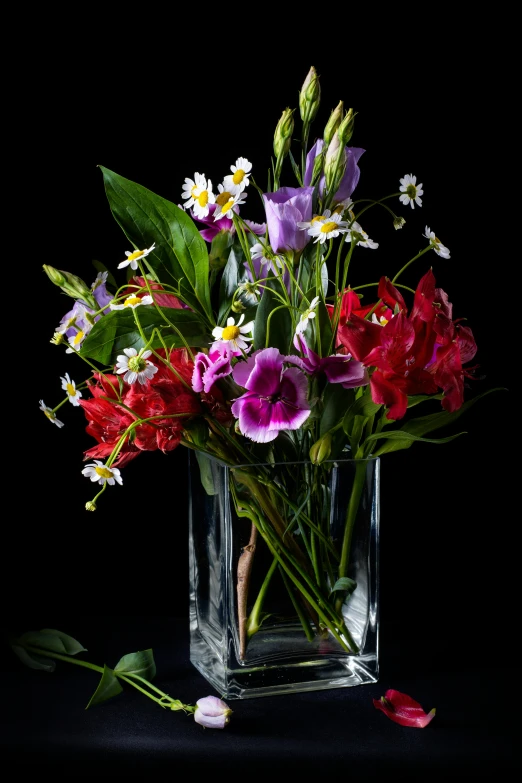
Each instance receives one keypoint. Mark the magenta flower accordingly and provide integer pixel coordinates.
(284, 210)
(208, 368)
(212, 713)
(402, 709)
(276, 397)
(351, 175)
(338, 368)
(223, 224)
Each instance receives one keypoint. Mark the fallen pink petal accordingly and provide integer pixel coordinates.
(402, 709)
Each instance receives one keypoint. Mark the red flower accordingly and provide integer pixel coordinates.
(164, 395)
(162, 300)
(419, 353)
(402, 709)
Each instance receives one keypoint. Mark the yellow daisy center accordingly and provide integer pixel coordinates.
(132, 300)
(238, 177)
(135, 255)
(50, 415)
(193, 191)
(317, 218)
(202, 199)
(230, 332)
(78, 337)
(223, 197)
(227, 206)
(71, 391)
(104, 472)
(330, 226)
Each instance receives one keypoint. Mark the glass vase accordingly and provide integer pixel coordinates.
(283, 566)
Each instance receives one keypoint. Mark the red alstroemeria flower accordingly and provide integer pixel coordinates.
(402, 709)
(164, 395)
(162, 300)
(419, 353)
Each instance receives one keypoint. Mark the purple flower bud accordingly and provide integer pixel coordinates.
(212, 713)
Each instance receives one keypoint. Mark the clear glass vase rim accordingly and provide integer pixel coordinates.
(237, 465)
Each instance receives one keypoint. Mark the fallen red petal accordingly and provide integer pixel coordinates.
(402, 709)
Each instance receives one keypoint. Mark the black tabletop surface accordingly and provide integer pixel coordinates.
(46, 726)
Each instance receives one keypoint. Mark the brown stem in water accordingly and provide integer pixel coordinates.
(244, 570)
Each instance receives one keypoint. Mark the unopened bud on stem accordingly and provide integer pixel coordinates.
(283, 134)
(333, 123)
(310, 96)
(345, 129)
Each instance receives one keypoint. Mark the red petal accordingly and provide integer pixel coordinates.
(402, 709)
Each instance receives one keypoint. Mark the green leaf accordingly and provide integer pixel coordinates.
(363, 406)
(117, 330)
(140, 663)
(108, 687)
(180, 256)
(278, 327)
(32, 660)
(344, 584)
(324, 325)
(55, 641)
(424, 424)
(401, 439)
(417, 398)
(229, 282)
(205, 472)
(337, 401)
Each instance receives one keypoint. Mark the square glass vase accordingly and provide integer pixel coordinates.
(283, 570)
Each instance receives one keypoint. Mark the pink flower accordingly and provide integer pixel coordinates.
(276, 397)
(212, 713)
(208, 368)
(402, 709)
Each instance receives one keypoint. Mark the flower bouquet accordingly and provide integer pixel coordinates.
(261, 348)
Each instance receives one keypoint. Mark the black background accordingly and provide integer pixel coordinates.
(445, 570)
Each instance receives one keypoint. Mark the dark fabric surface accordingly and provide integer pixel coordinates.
(46, 726)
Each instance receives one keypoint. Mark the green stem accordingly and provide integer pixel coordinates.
(254, 619)
(351, 513)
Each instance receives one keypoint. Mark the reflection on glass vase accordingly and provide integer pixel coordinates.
(284, 575)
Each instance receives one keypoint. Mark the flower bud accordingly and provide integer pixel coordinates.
(398, 222)
(212, 713)
(321, 449)
(345, 129)
(334, 164)
(283, 133)
(333, 123)
(71, 285)
(58, 338)
(310, 96)
(90, 505)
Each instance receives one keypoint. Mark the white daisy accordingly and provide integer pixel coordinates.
(192, 188)
(411, 192)
(304, 225)
(132, 301)
(227, 209)
(135, 366)
(79, 314)
(97, 471)
(436, 244)
(329, 228)
(249, 293)
(238, 180)
(201, 196)
(132, 258)
(51, 415)
(270, 260)
(234, 333)
(75, 343)
(305, 317)
(72, 392)
(365, 241)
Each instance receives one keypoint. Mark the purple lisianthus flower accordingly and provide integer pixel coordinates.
(351, 176)
(100, 293)
(208, 368)
(338, 368)
(223, 224)
(284, 209)
(212, 713)
(276, 397)
(75, 320)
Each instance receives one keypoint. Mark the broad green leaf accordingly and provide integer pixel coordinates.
(72, 646)
(55, 641)
(337, 401)
(180, 257)
(417, 398)
(400, 439)
(229, 282)
(363, 406)
(140, 663)
(274, 324)
(32, 660)
(324, 326)
(108, 687)
(118, 330)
